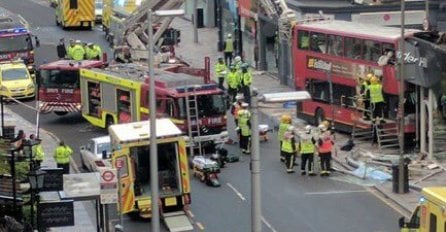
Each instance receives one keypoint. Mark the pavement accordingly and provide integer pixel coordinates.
(265, 83)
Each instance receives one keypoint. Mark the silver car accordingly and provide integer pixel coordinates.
(93, 151)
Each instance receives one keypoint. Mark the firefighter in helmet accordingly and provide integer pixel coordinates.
(325, 146)
(285, 122)
(244, 123)
(233, 82)
(289, 148)
(365, 95)
(306, 148)
(376, 99)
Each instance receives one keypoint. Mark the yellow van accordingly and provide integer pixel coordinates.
(15, 81)
(75, 13)
(430, 214)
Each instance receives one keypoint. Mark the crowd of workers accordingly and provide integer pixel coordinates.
(313, 141)
(62, 153)
(236, 73)
(78, 50)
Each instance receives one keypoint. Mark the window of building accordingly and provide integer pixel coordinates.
(318, 42)
(73, 4)
(353, 47)
(371, 50)
(303, 40)
(335, 45)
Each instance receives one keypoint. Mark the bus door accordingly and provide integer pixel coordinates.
(124, 164)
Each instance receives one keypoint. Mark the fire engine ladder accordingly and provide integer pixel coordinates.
(192, 116)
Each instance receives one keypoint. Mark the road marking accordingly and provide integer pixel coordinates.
(24, 22)
(236, 191)
(200, 226)
(268, 225)
(335, 192)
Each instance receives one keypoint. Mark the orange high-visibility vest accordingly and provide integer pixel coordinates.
(326, 145)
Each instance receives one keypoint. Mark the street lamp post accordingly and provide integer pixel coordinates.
(256, 207)
(401, 103)
(152, 110)
(36, 178)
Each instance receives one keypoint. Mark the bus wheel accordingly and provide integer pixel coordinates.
(109, 121)
(319, 117)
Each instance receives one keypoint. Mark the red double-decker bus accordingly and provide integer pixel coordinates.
(339, 53)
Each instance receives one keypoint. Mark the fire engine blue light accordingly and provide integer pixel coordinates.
(14, 30)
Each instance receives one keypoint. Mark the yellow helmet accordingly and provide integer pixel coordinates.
(374, 80)
(286, 118)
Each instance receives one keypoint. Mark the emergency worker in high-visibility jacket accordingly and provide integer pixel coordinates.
(93, 52)
(245, 83)
(62, 156)
(376, 100)
(233, 82)
(244, 124)
(78, 51)
(285, 122)
(37, 150)
(306, 149)
(325, 147)
(228, 49)
(289, 149)
(365, 95)
(221, 71)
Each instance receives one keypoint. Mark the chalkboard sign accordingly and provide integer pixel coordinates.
(53, 180)
(56, 214)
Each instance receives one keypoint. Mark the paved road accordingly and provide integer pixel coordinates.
(290, 202)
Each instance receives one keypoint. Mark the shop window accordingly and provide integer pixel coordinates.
(73, 4)
(353, 47)
(94, 98)
(371, 50)
(335, 45)
(318, 42)
(303, 40)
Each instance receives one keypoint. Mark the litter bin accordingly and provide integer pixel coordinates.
(395, 178)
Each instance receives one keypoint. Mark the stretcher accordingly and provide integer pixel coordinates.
(206, 170)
